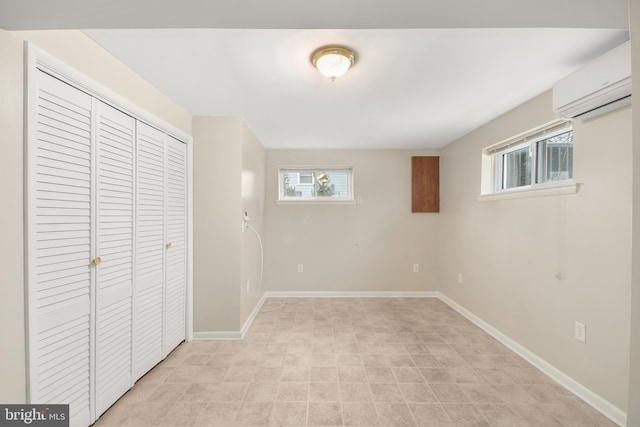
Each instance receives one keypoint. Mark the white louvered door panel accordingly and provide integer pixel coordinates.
(59, 241)
(150, 250)
(176, 255)
(114, 172)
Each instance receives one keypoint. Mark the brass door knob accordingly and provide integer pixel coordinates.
(169, 245)
(96, 261)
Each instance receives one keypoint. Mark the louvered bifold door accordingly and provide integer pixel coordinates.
(176, 254)
(114, 171)
(150, 250)
(59, 247)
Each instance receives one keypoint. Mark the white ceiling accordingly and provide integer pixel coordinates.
(410, 88)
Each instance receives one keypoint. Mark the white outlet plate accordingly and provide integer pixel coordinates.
(581, 332)
(300, 268)
(459, 278)
(416, 268)
(248, 285)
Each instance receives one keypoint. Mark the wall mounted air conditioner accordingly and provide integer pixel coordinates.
(601, 86)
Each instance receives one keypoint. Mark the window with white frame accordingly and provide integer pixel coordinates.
(541, 156)
(315, 184)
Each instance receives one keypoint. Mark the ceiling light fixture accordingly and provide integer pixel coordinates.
(333, 61)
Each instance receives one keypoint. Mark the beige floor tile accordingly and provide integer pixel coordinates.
(240, 374)
(255, 413)
(348, 360)
(168, 392)
(183, 414)
(419, 393)
(324, 392)
(513, 393)
(355, 392)
(351, 373)
(261, 392)
(386, 392)
(494, 376)
(465, 414)
(212, 374)
(325, 414)
(289, 414)
(400, 360)
(535, 415)
(501, 416)
(229, 391)
(436, 375)
(359, 414)
(425, 360)
(394, 415)
(407, 375)
(465, 375)
(295, 373)
(290, 391)
(198, 392)
(449, 393)
(430, 415)
(324, 360)
(481, 393)
(147, 414)
(379, 374)
(329, 374)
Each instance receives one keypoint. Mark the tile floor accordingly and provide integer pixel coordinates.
(351, 362)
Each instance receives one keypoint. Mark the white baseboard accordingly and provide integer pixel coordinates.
(356, 294)
(603, 406)
(217, 335)
(231, 335)
(253, 315)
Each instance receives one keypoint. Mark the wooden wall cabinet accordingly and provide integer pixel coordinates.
(425, 184)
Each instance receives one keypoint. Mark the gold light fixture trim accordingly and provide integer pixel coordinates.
(333, 61)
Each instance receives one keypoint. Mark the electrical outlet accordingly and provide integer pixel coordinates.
(459, 278)
(416, 268)
(248, 285)
(581, 332)
(300, 268)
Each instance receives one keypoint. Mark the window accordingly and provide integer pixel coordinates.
(541, 156)
(316, 184)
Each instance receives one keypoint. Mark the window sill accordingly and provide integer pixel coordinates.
(536, 191)
(314, 202)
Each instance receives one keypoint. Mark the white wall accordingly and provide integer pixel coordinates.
(217, 164)
(12, 330)
(78, 51)
(228, 175)
(363, 247)
(253, 186)
(510, 251)
(633, 419)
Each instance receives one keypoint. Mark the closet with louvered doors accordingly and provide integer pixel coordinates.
(106, 288)
(161, 247)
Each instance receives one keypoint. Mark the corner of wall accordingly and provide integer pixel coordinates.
(12, 291)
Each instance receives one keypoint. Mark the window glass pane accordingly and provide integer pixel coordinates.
(516, 168)
(559, 157)
(291, 186)
(316, 184)
(334, 184)
(305, 178)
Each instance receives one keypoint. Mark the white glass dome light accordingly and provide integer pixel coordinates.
(333, 61)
